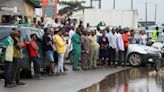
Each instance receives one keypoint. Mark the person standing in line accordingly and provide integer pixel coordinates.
(16, 67)
(48, 46)
(85, 45)
(125, 38)
(155, 34)
(25, 23)
(103, 42)
(76, 49)
(120, 46)
(60, 48)
(34, 54)
(93, 50)
(113, 46)
(143, 37)
(9, 52)
(108, 34)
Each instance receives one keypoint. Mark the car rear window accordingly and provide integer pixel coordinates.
(4, 32)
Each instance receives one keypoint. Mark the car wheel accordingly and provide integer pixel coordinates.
(135, 59)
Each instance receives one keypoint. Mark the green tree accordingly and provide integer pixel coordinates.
(71, 6)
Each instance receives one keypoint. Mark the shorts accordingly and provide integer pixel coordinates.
(50, 55)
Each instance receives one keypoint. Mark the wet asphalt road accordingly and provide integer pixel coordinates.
(71, 82)
(131, 80)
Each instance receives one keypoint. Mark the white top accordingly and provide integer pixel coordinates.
(120, 43)
(143, 39)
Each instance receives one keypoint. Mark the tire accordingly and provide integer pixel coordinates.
(135, 59)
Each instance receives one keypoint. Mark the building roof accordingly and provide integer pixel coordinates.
(35, 3)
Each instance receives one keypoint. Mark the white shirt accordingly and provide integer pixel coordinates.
(113, 41)
(71, 33)
(143, 39)
(120, 43)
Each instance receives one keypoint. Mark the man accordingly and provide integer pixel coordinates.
(17, 60)
(155, 34)
(93, 50)
(120, 46)
(34, 53)
(76, 49)
(60, 48)
(85, 44)
(125, 38)
(25, 23)
(9, 51)
(113, 46)
(108, 34)
(48, 46)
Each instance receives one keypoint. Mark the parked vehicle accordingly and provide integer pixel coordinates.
(159, 44)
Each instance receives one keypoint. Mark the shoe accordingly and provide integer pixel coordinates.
(21, 83)
(14, 84)
(58, 74)
(39, 77)
(76, 69)
(8, 86)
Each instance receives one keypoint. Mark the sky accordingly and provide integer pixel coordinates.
(139, 5)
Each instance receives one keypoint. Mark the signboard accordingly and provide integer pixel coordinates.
(49, 11)
(9, 9)
(49, 8)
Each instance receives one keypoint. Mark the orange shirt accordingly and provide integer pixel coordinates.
(125, 38)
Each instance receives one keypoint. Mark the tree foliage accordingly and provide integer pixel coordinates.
(71, 6)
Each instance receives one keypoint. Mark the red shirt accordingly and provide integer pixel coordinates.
(33, 49)
(125, 38)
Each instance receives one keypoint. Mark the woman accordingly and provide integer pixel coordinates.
(103, 42)
(143, 37)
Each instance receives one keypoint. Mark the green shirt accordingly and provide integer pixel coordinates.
(8, 44)
(25, 23)
(76, 41)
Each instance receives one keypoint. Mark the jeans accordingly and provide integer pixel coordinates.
(16, 70)
(36, 64)
(8, 66)
(60, 65)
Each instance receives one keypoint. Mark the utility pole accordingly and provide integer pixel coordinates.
(146, 14)
(114, 4)
(131, 4)
(155, 13)
(91, 4)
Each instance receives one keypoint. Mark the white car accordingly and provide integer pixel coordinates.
(160, 44)
(139, 54)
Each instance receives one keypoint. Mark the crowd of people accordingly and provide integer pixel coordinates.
(62, 41)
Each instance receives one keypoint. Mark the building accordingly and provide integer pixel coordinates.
(11, 9)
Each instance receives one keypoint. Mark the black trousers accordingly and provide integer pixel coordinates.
(112, 55)
(125, 53)
(16, 70)
(8, 68)
(120, 55)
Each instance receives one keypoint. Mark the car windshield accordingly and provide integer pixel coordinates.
(160, 38)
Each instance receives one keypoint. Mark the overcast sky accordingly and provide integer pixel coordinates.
(138, 4)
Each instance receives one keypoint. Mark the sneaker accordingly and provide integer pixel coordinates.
(39, 77)
(58, 74)
(21, 83)
(8, 86)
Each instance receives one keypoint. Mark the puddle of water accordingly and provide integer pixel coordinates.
(133, 80)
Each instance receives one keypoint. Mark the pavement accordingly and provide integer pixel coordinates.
(70, 82)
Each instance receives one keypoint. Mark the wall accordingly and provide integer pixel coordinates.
(29, 10)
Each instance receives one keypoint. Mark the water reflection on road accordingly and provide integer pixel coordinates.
(133, 80)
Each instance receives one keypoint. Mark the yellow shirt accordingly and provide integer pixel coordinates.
(59, 44)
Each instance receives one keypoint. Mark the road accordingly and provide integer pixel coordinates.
(71, 82)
